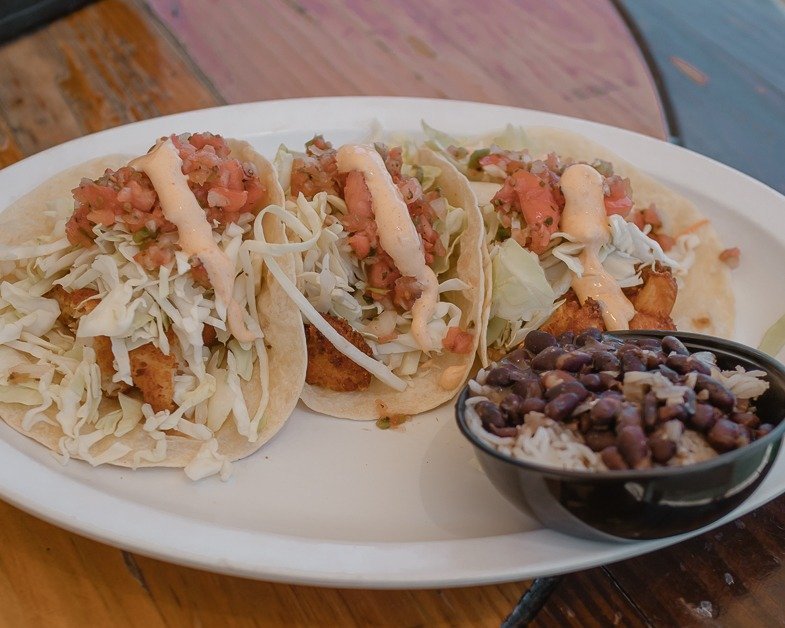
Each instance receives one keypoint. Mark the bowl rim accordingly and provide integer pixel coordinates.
(762, 361)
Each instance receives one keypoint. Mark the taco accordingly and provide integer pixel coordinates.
(576, 237)
(389, 277)
(137, 327)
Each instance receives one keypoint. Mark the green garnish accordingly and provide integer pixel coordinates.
(142, 235)
(383, 423)
(474, 160)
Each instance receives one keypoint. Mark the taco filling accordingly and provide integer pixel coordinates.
(377, 239)
(569, 249)
(145, 295)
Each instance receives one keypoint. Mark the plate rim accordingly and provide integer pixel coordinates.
(31, 497)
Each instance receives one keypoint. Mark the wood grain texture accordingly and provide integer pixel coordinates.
(731, 577)
(722, 64)
(100, 67)
(575, 58)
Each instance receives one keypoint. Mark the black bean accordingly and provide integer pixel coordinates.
(532, 404)
(668, 373)
(609, 382)
(503, 431)
(719, 396)
(529, 387)
(654, 360)
(537, 340)
(652, 344)
(679, 363)
(704, 418)
(588, 334)
(504, 375)
(591, 381)
(604, 411)
(549, 379)
(562, 406)
(613, 459)
(671, 344)
(573, 361)
(605, 361)
(629, 415)
(698, 366)
(545, 360)
(518, 357)
(662, 449)
(676, 412)
(632, 362)
(511, 408)
(649, 409)
(567, 338)
(489, 414)
(633, 447)
(747, 419)
(598, 440)
(573, 387)
(726, 435)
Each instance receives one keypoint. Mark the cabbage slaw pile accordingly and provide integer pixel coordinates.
(55, 375)
(330, 278)
(527, 288)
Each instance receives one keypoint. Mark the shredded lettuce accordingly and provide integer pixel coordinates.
(519, 285)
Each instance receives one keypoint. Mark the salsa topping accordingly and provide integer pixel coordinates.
(223, 186)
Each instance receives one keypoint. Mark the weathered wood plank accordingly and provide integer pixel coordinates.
(105, 65)
(732, 576)
(722, 64)
(575, 58)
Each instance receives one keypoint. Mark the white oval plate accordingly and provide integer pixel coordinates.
(342, 503)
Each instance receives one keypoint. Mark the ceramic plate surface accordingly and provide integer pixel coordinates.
(343, 503)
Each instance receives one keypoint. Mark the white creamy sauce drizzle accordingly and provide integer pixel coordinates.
(584, 219)
(397, 233)
(164, 167)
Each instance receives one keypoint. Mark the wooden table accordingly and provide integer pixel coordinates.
(122, 60)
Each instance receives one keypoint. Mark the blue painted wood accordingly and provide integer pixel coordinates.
(722, 63)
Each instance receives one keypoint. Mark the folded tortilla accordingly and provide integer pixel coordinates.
(279, 320)
(441, 375)
(705, 301)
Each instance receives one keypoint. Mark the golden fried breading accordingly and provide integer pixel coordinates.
(655, 297)
(153, 374)
(572, 316)
(72, 304)
(105, 360)
(328, 367)
(653, 301)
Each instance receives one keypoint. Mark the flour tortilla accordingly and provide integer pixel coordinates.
(705, 301)
(279, 320)
(425, 390)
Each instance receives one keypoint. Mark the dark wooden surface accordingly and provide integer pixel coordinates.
(117, 61)
(722, 63)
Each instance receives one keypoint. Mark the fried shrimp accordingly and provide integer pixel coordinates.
(328, 367)
(152, 371)
(572, 316)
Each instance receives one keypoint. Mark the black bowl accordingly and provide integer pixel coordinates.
(652, 503)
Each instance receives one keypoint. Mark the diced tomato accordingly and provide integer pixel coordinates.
(506, 161)
(458, 341)
(382, 274)
(361, 245)
(199, 273)
(529, 195)
(154, 256)
(664, 240)
(618, 200)
(652, 217)
(406, 291)
(731, 256)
